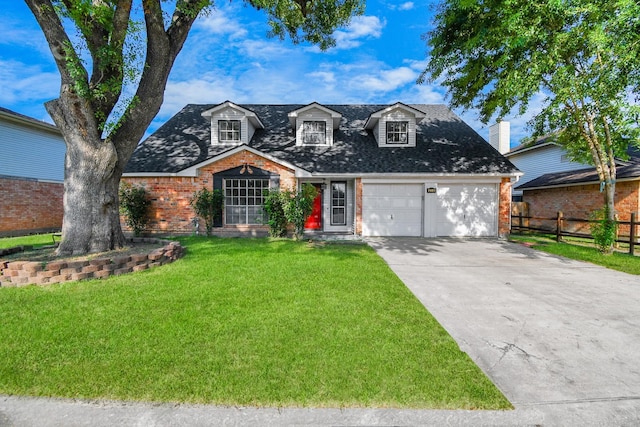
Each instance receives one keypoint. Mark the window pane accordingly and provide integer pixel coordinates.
(338, 216)
(338, 203)
(229, 130)
(241, 207)
(397, 132)
(314, 132)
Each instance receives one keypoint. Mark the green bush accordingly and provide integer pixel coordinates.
(274, 207)
(208, 206)
(134, 205)
(603, 230)
(298, 207)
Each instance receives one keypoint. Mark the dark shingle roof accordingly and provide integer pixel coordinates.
(581, 176)
(445, 144)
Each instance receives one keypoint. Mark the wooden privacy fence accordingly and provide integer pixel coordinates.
(574, 227)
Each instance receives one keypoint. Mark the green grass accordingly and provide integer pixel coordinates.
(240, 322)
(33, 240)
(581, 250)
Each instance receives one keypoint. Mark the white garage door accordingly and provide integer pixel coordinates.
(466, 210)
(392, 209)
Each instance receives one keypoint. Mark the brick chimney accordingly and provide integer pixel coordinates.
(499, 136)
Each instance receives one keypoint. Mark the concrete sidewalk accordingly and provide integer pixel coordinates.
(560, 338)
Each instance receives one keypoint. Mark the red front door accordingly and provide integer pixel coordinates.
(314, 221)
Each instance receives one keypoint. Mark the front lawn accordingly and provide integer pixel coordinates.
(240, 322)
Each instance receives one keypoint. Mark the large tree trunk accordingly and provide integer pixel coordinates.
(91, 221)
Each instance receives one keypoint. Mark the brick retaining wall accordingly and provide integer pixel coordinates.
(22, 273)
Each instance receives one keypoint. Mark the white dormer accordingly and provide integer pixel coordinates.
(395, 126)
(232, 124)
(314, 124)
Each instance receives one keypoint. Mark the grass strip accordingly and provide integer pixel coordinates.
(580, 250)
(34, 240)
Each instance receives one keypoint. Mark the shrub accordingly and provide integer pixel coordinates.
(208, 206)
(603, 230)
(298, 207)
(274, 207)
(134, 205)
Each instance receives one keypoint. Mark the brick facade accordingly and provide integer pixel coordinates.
(29, 206)
(172, 213)
(504, 208)
(170, 195)
(358, 224)
(581, 200)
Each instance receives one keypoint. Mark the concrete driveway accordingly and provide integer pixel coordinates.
(560, 338)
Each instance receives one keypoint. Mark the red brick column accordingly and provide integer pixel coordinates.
(504, 208)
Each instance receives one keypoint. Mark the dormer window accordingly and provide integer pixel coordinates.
(395, 125)
(314, 124)
(229, 131)
(397, 132)
(232, 124)
(314, 132)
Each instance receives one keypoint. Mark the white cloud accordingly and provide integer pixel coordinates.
(265, 49)
(360, 27)
(386, 80)
(219, 22)
(207, 89)
(327, 77)
(406, 6)
(21, 82)
(17, 34)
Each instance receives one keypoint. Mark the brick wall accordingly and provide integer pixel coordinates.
(29, 206)
(580, 201)
(504, 207)
(170, 209)
(358, 224)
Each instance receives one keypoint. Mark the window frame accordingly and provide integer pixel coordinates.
(320, 135)
(343, 206)
(244, 193)
(232, 131)
(394, 136)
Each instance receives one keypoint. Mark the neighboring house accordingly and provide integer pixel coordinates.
(381, 170)
(31, 175)
(538, 158)
(577, 193)
(552, 183)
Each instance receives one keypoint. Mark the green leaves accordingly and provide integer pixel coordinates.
(208, 205)
(134, 205)
(308, 20)
(582, 55)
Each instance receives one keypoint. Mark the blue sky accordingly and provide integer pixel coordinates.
(228, 56)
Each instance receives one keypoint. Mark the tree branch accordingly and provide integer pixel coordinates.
(59, 43)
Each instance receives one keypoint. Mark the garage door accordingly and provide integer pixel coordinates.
(392, 209)
(465, 210)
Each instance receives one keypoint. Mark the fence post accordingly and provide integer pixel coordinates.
(632, 233)
(559, 227)
(520, 222)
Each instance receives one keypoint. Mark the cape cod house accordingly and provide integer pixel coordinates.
(381, 170)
